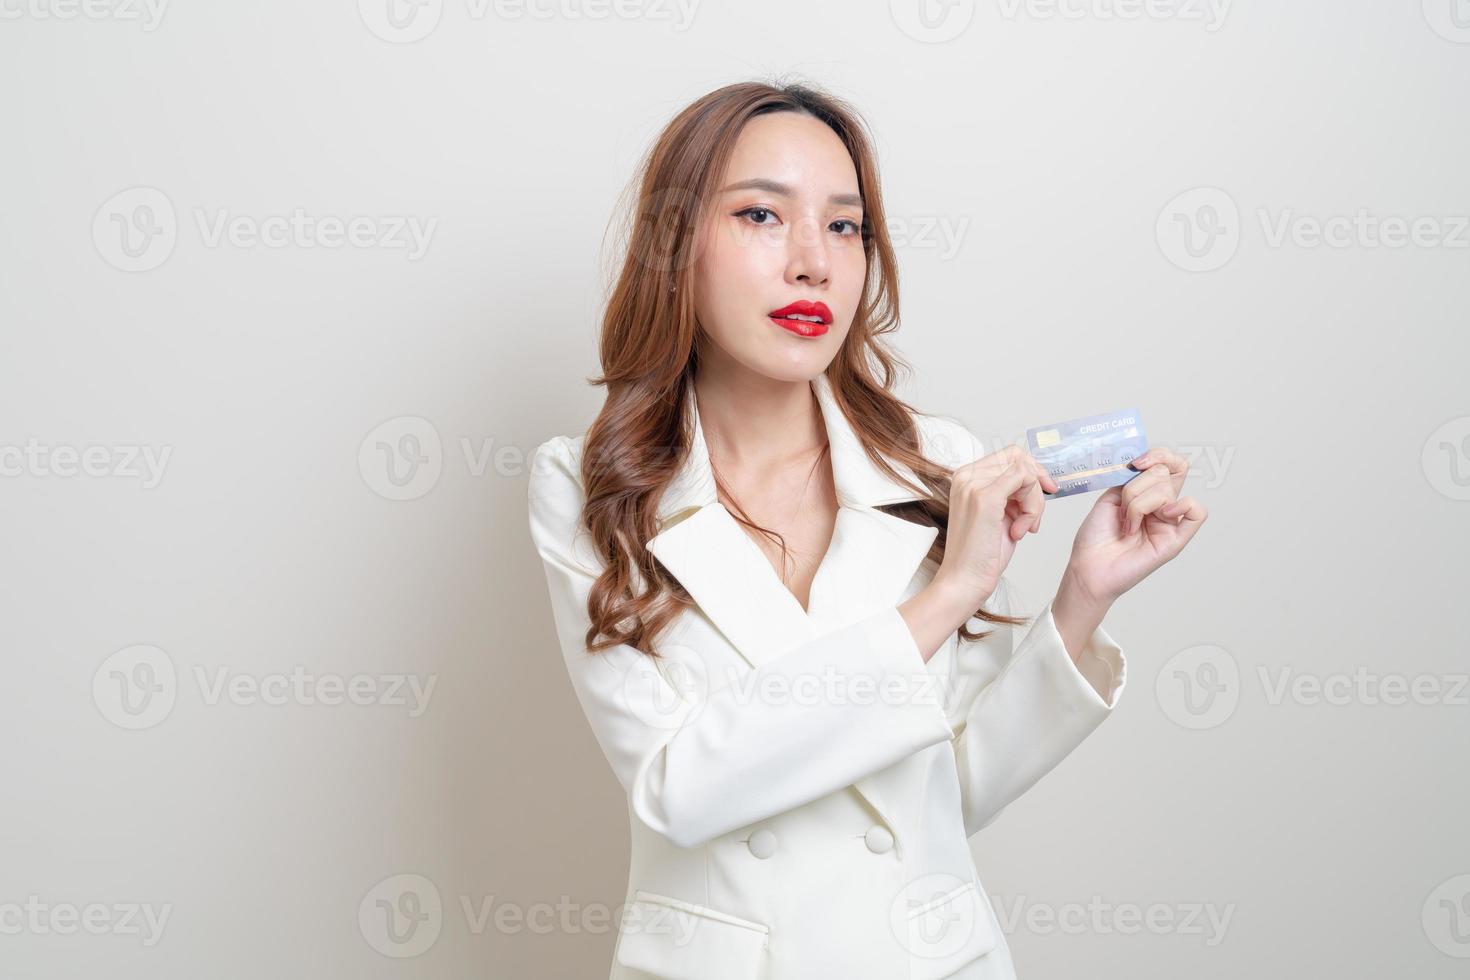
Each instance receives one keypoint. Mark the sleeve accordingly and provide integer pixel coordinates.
(1018, 709)
(698, 759)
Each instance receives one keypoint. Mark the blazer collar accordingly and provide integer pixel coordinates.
(860, 482)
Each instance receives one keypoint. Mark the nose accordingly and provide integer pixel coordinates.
(808, 260)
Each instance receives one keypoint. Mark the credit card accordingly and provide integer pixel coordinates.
(1090, 453)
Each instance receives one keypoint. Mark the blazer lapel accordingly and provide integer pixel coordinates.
(731, 582)
(872, 558)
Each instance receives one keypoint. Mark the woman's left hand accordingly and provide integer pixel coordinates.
(1133, 529)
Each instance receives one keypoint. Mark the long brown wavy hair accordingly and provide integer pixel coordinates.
(650, 351)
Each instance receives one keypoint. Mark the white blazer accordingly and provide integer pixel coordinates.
(801, 784)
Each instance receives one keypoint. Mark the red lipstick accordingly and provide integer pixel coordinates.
(804, 308)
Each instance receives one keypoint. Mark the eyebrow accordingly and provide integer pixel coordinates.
(776, 187)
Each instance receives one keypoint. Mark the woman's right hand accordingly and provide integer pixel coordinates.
(993, 503)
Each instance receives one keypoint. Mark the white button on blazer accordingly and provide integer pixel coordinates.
(801, 784)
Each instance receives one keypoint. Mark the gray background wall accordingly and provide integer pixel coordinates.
(1099, 204)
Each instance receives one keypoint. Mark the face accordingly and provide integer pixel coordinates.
(783, 231)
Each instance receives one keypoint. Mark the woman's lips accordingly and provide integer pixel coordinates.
(786, 317)
(802, 328)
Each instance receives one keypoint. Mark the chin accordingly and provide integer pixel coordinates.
(776, 355)
(802, 364)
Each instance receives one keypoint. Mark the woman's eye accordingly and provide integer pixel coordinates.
(754, 211)
(851, 224)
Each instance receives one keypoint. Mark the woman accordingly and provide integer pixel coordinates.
(764, 570)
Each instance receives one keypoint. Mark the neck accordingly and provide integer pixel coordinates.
(752, 419)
